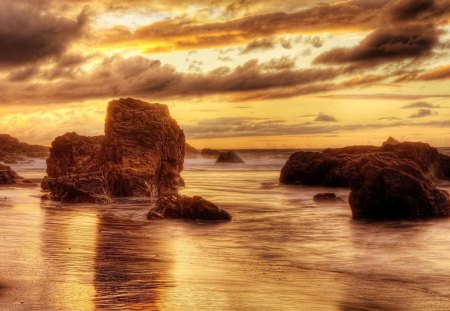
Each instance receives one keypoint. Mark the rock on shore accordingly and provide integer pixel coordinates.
(394, 181)
(178, 206)
(8, 176)
(141, 154)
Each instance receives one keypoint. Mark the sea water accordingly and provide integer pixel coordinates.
(281, 251)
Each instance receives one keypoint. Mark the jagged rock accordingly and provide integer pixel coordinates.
(13, 151)
(141, 154)
(177, 206)
(78, 188)
(8, 176)
(143, 151)
(387, 182)
(74, 154)
(332, 166)
(229, 157)
(387, 186)
(210, 153)
(327, 197)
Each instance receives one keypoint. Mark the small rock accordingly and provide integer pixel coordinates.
(327, 197)
(178, 206)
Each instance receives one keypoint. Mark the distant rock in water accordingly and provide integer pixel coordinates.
(141, 154)
(327, 197)
(210, 153)
(229, 157)
(177, 206)
(190, 151)
(394, 181)
(13, 151)
(8, 176)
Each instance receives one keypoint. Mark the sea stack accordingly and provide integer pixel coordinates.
(141, 154)
(229, 157)
(394, 181)
(143, 150)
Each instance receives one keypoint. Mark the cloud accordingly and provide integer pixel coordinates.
(187, 34)
(421, 113)
(386, 96)
(258, 45)
(420, 105)
(417, 10)
(325, 118)
(29, 34)
(252, 127)
(139, 76)
(389, 119)
(386, 44)
(439, 73)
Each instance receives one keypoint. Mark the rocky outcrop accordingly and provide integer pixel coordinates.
(331, 167)
(177, 206)
(78, 188)
(143, 150)
(327, 197)
(394, 181)
(8, 176)
(13, 151)
(387, 186)
(190, 151)
(141, 154)
(229, 157)
(74, 154)
(210, 153)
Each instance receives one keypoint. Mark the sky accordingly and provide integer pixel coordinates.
(234, 73)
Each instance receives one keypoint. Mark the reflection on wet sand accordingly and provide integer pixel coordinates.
(131, 268)
(68, 250)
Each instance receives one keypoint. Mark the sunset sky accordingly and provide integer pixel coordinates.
(235, 74)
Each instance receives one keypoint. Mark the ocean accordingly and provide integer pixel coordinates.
(281, 251)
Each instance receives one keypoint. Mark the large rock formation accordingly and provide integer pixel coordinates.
(8, 176)
(388, 186)
(388, 182)
(12, 150)
(229, 157)
(143, 150)
(332, 166)
(177, 206)
(141, 154)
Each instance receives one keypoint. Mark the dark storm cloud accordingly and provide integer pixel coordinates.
(407, 29)
(404, 10)
(29, 34)
(386, 44)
